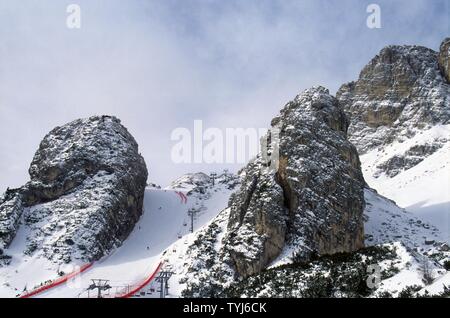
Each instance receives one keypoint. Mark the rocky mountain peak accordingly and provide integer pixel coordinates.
(71, 153)
(85, 194)
(401, 90)
(318, 104)
(314, 201)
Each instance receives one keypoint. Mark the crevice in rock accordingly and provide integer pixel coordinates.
(281, 180)
(248, 198)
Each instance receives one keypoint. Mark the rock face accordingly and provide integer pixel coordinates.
(313, 202)
(85, 194)
(11, 210)
(404, 89)
(444, 58)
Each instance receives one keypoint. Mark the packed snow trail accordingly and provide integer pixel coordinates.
(140, 254)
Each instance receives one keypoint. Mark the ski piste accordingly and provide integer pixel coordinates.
(133, 266)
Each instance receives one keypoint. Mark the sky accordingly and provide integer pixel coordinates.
(159, 65)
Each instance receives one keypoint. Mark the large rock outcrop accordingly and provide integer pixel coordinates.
(403, 90)
(85, 194)
(313, 202)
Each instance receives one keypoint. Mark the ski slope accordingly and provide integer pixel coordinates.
(132, 262)
(165, 220)
(140, 253)
(129, 264)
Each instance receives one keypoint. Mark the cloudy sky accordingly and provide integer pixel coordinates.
(161, 64)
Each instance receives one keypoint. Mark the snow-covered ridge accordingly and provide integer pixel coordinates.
(386, 222)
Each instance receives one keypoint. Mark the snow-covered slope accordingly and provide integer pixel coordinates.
(205, 198)
(135, 259)
(197, 250)
(386, 222)
(423, 187)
